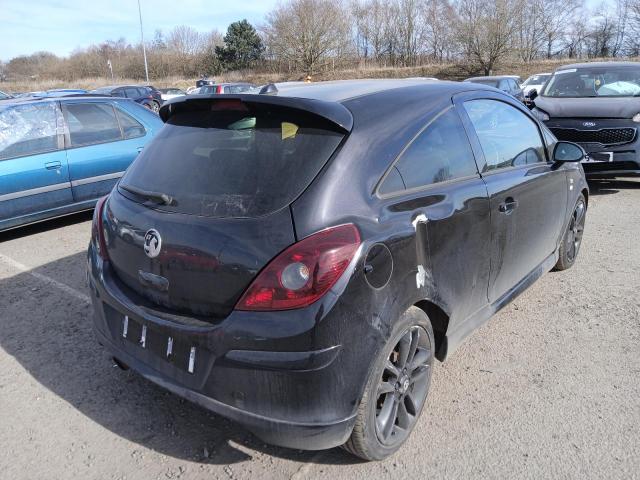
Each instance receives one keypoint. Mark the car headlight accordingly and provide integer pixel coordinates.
(540, 115)
(636, 118)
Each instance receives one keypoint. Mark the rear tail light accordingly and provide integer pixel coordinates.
(304, 272)
(97, 229)
(219, 89)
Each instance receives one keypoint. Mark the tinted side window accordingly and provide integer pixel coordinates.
(118, 93)
(91, 123)
(131, 92)
(28, 129)
(440, 153)
(131, 128)
(237, 88)
(507, 136)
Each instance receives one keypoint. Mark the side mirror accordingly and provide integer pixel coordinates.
(533, 93)
(568, 152)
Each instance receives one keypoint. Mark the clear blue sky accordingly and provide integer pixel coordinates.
(60, 26)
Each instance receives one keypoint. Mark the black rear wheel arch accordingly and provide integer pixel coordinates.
(572, 237)
(396, 389)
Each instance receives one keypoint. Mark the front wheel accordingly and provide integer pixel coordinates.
(396, 390)
(155, 107)
(570, 246)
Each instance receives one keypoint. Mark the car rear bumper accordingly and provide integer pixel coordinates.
(308, 436)
(278, 385)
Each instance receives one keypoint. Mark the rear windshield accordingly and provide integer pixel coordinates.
(233, 161)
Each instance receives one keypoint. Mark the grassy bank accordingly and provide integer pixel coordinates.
(450, 71)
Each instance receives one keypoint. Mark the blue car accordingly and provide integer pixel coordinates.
(59, 155)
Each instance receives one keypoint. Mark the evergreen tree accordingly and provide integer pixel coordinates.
(242, 46)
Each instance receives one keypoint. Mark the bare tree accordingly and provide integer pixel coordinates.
(530, 29)
(575, 36)
(486, 30)
(632, 39)
(308, 33)
(440, 38)
(601, 37)
(557, 15)
(621, 21)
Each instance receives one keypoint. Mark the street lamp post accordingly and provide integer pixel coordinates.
(144, 50)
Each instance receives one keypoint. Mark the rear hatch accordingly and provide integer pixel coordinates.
(206, 205)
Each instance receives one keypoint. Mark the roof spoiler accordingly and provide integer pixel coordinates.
(334, 112)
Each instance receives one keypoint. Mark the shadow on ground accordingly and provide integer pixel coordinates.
(46, 225)
(49, 332)
(611, 186)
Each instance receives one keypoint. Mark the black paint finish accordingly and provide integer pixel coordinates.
(296, 377)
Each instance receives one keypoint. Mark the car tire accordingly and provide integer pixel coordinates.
(572, 238)
(396, 391)
(155, 107)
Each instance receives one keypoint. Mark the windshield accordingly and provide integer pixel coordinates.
(536, 80)
(239, 162)
(595, 82)
(486, 81)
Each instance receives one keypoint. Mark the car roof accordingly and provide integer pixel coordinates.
(113, 87)
(36, 99)
(491, 77)
(226, 84)
(329, 99)
(598, 64)
(343, 90)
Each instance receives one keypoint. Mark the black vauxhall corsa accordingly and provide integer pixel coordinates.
(299, 260)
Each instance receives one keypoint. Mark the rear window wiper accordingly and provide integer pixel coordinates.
(158, 197)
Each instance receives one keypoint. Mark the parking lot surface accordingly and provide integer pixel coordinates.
(548, 388)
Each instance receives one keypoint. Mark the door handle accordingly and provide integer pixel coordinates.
(140, 149)
(508, 206)
(53, 165)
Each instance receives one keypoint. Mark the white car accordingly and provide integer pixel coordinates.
(169, 93)
(535, 82)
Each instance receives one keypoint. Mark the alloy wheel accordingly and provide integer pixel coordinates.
(576, 229)
(403, 386)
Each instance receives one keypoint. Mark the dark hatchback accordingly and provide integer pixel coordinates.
(598, 106)
(507, 84)
(297, 261)
(148, 97)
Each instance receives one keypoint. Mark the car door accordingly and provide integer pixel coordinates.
(437, 179)
(101, 141)
(527, 193)
(34, 177)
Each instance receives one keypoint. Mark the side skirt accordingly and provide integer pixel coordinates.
(31, 218)
(454, 338)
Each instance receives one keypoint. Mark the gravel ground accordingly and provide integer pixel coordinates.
(548, 388)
